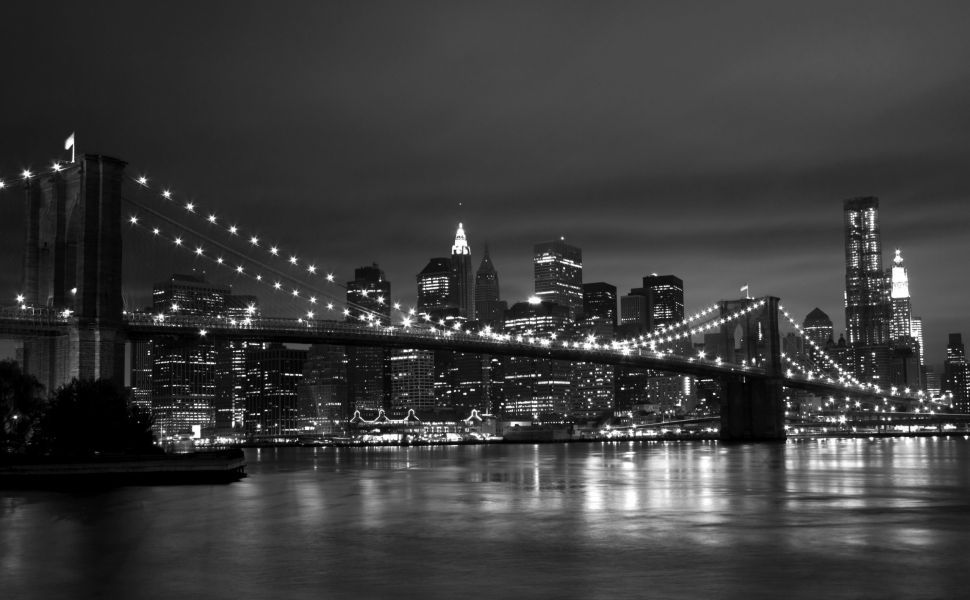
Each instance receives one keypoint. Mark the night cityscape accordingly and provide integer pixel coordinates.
(427, 300)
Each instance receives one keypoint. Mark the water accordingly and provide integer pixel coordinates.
(833, 519)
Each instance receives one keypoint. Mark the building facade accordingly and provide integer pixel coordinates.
(559, 275)
(867, 306)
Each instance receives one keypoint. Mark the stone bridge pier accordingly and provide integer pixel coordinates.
(73, 261)
(752, 408)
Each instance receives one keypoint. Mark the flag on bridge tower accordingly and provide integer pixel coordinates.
(69, 145)
(744, 288)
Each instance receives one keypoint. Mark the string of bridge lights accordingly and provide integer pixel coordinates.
(199, 252)
(663, 335)
(273, 249)
(366, 313)
(707, 325)
(819, 351)
(298, 292)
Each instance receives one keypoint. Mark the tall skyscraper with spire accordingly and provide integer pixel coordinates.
(461, 266)
(867, 306)
(488, 308)
(901, 325)
(906, 370)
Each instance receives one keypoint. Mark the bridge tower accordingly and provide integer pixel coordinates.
(72, 261)
(752, 408)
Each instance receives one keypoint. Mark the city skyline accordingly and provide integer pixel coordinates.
(625, 156)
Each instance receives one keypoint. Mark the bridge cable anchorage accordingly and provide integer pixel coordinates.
(300, 288)
(294, 260)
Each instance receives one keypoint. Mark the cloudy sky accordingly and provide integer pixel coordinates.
(712, 140)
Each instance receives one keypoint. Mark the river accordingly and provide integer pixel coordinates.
(883, 518)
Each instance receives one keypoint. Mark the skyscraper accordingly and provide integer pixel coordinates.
(536, 387)
(867, 310)
(368, 296)
(599, 304)
(665, 300)
(323, 390)
(461, 267)
(489, 309)
(436, 289)
(183, 374)
(901, 325)
(559, 275)
(412, 381)
(273, 377)
(905, 368)
(593, 384)
(956, 379)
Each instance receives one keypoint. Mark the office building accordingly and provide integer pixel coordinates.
(273, 377)
(956, 379)
(559, 275)
(536, 388)
(436, 290)
(867, 306)
(323, 391)
(462, 276)
(368, 298)
(489, 308)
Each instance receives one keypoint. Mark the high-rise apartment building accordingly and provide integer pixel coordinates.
(462, 275)
(956, 378)
(867, 306)
(559, 275)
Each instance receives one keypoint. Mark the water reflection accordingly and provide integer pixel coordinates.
(840, 518)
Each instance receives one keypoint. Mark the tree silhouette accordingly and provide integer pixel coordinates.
(21, 405)
(92, 417)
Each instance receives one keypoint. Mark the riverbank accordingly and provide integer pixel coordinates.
(220, 466)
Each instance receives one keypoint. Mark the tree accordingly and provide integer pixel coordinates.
(91, 417)
(21, 405)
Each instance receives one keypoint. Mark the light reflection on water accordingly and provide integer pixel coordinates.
(837, 518)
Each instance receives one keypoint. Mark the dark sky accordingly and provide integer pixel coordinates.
(715, 141)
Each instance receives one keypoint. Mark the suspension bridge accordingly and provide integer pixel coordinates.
(71, 314)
